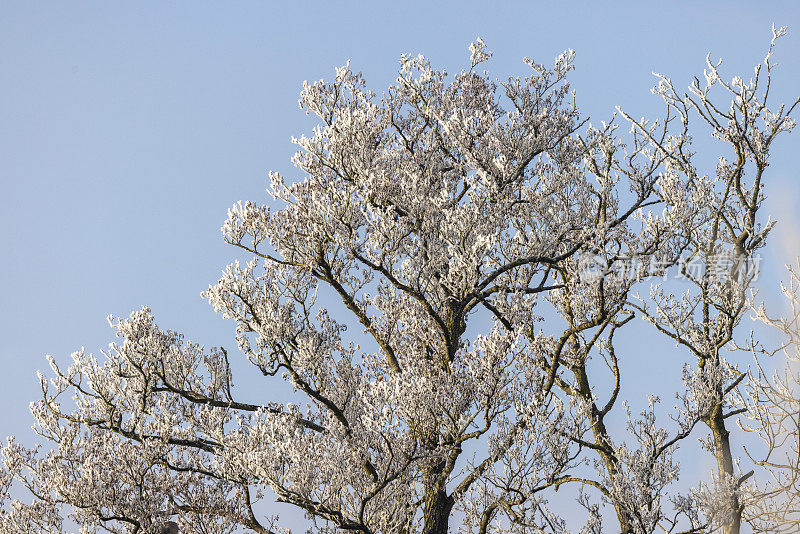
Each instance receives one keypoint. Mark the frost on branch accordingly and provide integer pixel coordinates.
(444, 286)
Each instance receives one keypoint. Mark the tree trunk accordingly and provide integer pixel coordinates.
(622, 515)
(436, 511)
(602, 438)
(722, 450)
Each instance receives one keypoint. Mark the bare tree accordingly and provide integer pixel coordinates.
(490, 245)
(772, 404)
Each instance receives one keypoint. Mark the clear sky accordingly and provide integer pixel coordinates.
(128, 129)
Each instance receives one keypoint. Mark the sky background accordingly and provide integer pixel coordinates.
(128, 130)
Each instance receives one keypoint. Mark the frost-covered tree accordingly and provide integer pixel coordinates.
(486, 248)
(772, 401)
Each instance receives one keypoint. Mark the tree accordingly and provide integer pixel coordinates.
(773, 408)
(489, 244)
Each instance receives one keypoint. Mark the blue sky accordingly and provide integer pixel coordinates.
(129, 129)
